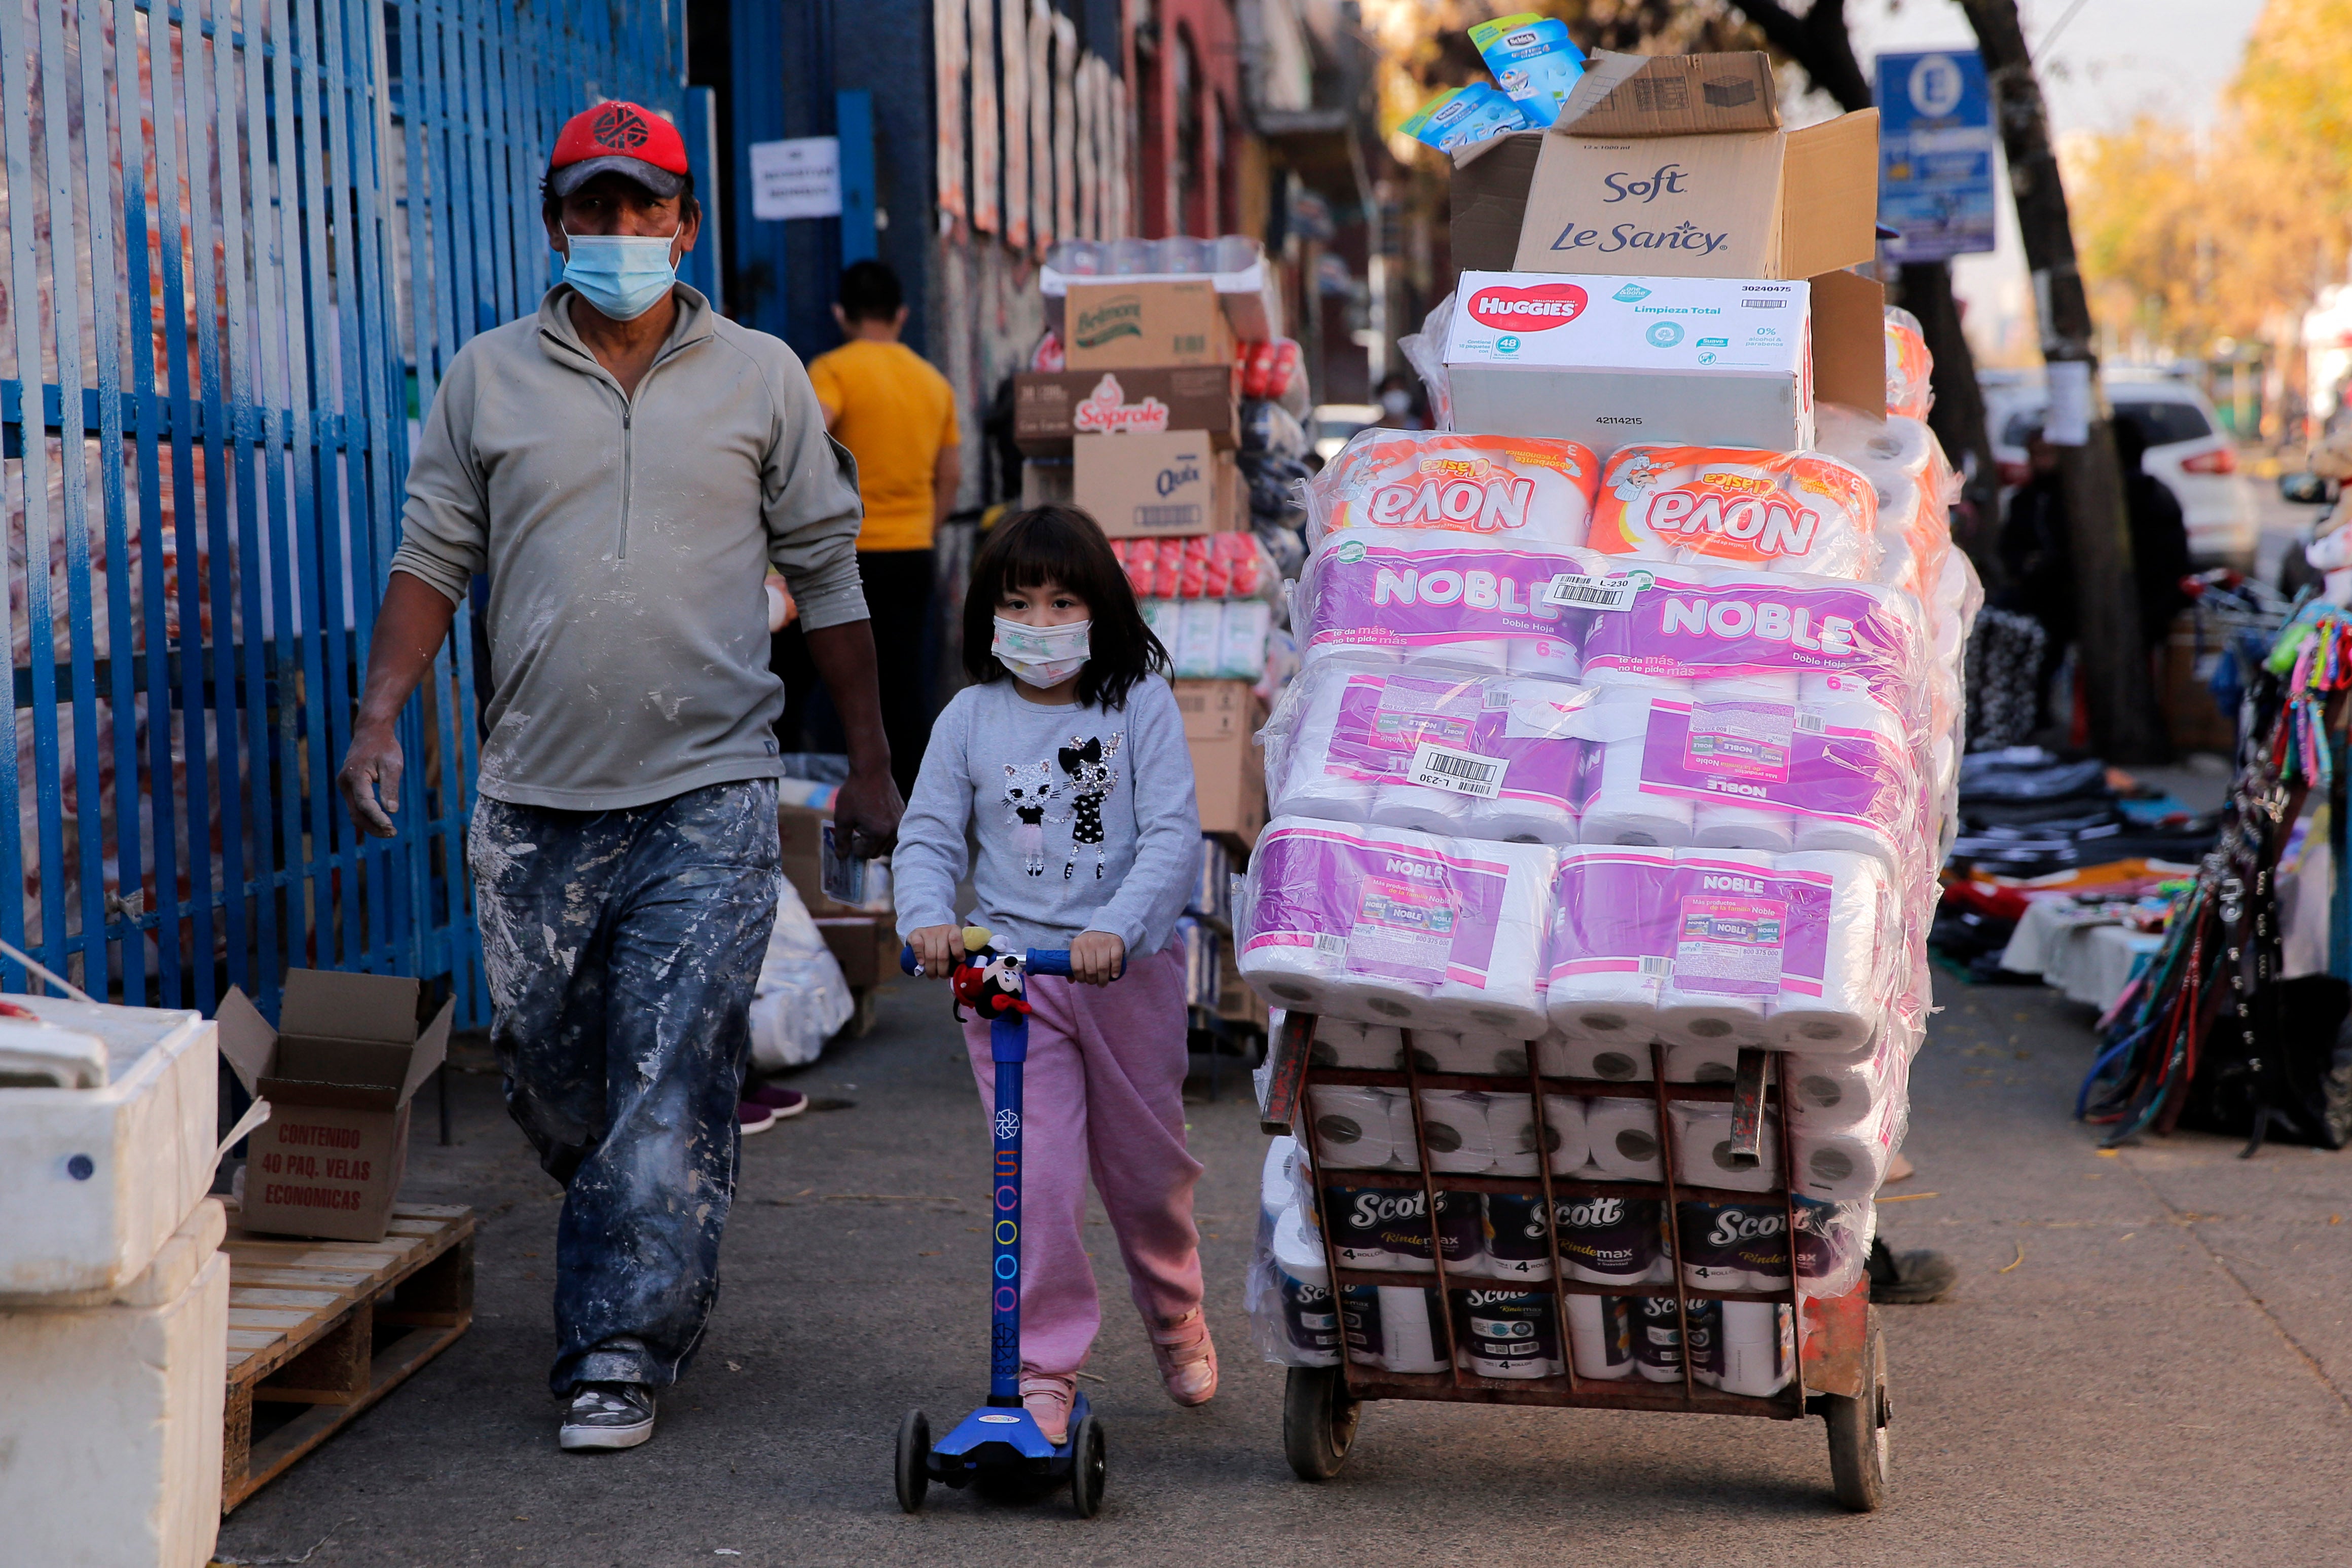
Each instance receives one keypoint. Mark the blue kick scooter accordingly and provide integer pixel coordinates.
(1000, 1442)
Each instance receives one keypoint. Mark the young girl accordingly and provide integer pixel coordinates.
(1065, 763)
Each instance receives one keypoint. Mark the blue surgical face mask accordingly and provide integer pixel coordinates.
(623, 276)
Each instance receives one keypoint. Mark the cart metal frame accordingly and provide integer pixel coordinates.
(1839, 1369)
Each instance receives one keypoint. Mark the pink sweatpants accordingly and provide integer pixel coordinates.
(1103, 1088)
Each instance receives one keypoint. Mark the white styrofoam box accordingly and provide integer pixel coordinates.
(110, 1433)
(92, 1181)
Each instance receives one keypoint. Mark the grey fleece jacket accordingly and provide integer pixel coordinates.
(1084, 819)
(626, 542)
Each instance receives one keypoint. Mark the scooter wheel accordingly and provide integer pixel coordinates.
(1087, 1456)
(914, 1460)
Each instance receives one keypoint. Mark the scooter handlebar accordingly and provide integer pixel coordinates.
(1036, 961)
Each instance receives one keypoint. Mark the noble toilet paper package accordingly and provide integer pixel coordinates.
(1397, 927)
(1391, 597)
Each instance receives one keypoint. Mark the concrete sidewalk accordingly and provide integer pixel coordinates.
(2159, 1376)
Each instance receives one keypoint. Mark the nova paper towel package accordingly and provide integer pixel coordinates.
(1517, 490)
(1736, 506)
(1393, 926)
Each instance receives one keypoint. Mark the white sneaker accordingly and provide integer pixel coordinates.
(605, 1416)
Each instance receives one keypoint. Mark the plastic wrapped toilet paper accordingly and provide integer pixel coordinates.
(1703, 1150)
(1310, 1318)
(1756, 1348)
(1847, 1164)
(1730, 937)
(1532, 491)
(1832, 997)
(1392, 927)
(1610, 1241)
(1623, 1135)
(1532, 728)
(1384, 596)
(1613, 808)
(1895, 443)
(1413, 1335)
(1453, 1125)
(1658, 1338)
(1511, 1127)
(1827, 1094)
(1600, 1337)
(1507, 1334)
(1354, 1128)
(1608, 1061)
(1566, 1134)
(1283, 1183)
(1704, 1061)
(1610, 946)
(1344, 1043)
(1833, 1245)
(1404, 1226)
(1358, 1218)
(1734, 1246)
(1436, 1051)
(1519, 1242)
(1360, 1325)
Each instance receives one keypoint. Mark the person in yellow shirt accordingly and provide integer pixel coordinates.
(898, 417)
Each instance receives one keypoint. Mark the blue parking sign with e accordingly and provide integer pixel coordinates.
(1935, 150)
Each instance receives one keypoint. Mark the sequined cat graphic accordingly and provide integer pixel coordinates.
(1029, 789)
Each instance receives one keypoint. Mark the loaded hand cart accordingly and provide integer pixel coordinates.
(1634, 1344)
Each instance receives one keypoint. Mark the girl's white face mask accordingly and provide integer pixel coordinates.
(1042, 657)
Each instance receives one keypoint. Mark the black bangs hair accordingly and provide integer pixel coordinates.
(1062, 545)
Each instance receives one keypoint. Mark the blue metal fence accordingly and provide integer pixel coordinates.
(244, 238)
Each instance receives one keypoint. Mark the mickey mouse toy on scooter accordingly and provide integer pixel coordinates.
(999, 1445)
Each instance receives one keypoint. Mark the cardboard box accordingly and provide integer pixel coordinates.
(1048, 410)
(1488, 198)
(1251, 297)
(1118, 324)
(1236, 1003)
(1168, 486)
(800, 832)
(339, 1073)
(864, 946)
(1222, 720)
(1674, 165)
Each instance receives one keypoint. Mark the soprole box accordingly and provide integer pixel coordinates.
(1612, 360)
(1051, 408)
(1167, 485)
(1115, 325)
(339, 1075)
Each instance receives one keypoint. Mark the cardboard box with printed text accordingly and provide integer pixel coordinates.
(339, 1071)
(1116, 324)
(1168, 486)
(1222, 720)
(1050, 408)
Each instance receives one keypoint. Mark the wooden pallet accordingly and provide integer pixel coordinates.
(334, 1327)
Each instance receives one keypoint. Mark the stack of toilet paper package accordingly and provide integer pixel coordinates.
(1588, 757)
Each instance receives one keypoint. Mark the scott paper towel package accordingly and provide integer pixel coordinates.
(1397, 927)
(1517, 490)
(1292, 1313)
(1504, 1332)
(1736, 506)
(1601, 1336)
(1745, 1246)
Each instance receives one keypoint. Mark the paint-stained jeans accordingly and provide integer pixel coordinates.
(622, 947)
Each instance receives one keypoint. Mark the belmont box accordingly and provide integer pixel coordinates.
(1116, 324)
(1052, 408)
(339, 1074)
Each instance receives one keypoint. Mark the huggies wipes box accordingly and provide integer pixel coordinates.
(339, 1075)
(1611, 360)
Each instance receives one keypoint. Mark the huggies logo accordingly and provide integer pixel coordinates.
(1537, 309)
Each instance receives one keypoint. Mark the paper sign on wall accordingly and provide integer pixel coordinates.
(797, 178)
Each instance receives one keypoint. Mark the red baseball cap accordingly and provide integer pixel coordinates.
(618, 138)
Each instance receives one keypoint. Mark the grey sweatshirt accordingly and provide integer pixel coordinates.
(626, 542)
(1083, 818)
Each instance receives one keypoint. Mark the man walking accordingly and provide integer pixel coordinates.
(898, 417)
(625, 465)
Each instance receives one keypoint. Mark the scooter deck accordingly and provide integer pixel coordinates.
(1002, 1437)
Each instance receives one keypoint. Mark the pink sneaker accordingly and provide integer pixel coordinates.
(1187, 1357)
(1046, 1397)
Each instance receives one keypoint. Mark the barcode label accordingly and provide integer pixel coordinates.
(1463, 772)
(1331, 947)
(1179, 515)
(1656, 968)
(1810, 723)
(1570, 590)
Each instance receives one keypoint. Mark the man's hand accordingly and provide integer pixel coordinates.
(373, 759)
(938, 948)
(1097, 957)
(866, 813)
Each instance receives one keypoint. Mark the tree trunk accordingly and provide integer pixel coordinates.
(1820, 42)
(1925, 288)
(2124, 724)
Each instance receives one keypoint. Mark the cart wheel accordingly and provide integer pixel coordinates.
(1318, 1421)
(1086, 1465)
(1858, 1431)
(914, 1460)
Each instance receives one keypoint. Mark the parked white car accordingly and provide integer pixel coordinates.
(2187, 450)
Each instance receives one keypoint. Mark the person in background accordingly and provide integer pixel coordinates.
(1399, 408)
(2034, 552)
(2159, 536)
(898, 417)
(1065, 763)
(622, 464)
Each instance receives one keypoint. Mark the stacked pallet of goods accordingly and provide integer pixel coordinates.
(1625, 737)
